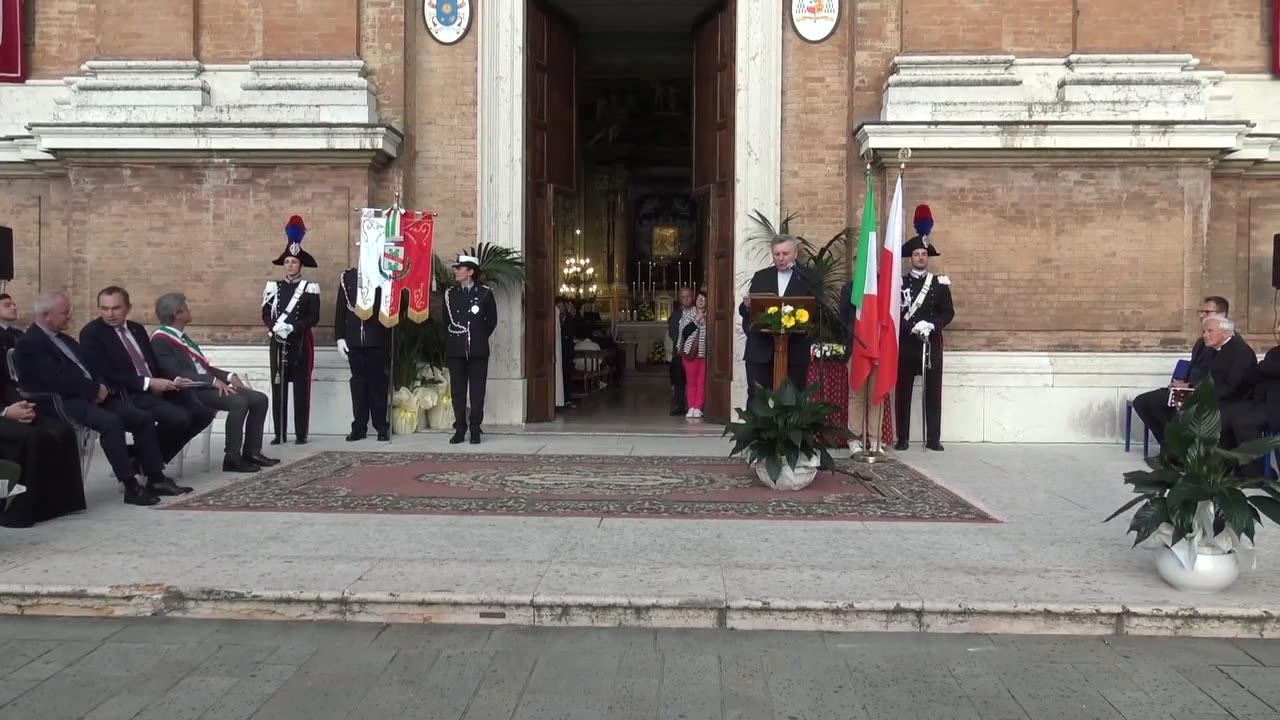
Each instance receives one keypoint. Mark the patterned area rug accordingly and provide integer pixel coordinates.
(581, 486)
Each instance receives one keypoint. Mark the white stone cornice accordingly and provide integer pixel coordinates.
(1205, 139)
(368, 144)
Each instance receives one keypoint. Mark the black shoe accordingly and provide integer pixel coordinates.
(475, 438)
(166, 486)
(384, 436)
(259, 459)
(239, 465)
(302, 440)
(458, 437)
(934, 446)
(276, 441)
(902, 445)
(353, 437)
(135, 494)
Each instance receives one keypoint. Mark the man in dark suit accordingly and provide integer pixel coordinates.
(1153, 406)
(44, 447)
(472, 315)
(119, 351)
(178, 355)
(366, 344)
(1233, 367)
(785, 279)
(51, 364)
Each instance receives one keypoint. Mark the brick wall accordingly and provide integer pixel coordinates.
(1069, 257)
(440, 160)
(35, 209)
(65, 36)
(1022, 27)
(815, 131)
(230, 30)
(146, 29)
(1224, 34)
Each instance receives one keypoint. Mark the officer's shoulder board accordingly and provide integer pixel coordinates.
(943, 280)
(311, 287)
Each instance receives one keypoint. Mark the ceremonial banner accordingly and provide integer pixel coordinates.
(395, 257)
(866, 326)
(13, 61)
(890, 291)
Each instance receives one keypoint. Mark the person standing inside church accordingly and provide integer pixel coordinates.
(290, 309)
(926, 310)
(679, 391)
(785, 279)
(472, 314)
(693, 354)
(366, 345)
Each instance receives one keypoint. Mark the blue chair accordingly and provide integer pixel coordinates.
(1128, 430)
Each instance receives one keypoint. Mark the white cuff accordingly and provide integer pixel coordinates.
(146, 384)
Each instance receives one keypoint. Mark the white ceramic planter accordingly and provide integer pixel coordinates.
(798, 479)
(1210, 572)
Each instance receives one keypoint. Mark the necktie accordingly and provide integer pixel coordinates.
(139, 364)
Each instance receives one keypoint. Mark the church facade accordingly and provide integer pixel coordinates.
(1094, 167)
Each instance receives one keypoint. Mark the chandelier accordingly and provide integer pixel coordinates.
(579, 280)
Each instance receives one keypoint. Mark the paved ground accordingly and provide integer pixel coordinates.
(1051, 550)
(55, 669)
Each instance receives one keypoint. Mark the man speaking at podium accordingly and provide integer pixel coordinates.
(784, 279)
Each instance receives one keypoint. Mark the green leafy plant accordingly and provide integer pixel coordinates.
(1197, 490)
(784, 426)
(826, 263)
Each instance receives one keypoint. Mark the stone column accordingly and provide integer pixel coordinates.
(757, 143)
(500, 208)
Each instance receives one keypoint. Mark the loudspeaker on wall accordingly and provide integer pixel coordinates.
(6, 253)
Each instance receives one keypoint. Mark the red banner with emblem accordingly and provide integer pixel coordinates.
(408, 264)
(13, 56)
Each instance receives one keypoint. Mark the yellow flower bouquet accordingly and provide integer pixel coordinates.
(782, 319)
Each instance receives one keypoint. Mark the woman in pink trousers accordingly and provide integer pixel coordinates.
(693, 353)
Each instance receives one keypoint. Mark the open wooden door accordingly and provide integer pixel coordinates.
(713, 100)
(551, 160)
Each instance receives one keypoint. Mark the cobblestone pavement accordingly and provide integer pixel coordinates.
(189, 669)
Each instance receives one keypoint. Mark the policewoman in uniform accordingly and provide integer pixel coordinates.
(926, 310)
(366, 345)
(472, 316)
(290, 309)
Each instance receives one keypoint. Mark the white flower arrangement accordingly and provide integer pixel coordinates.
(828, 351)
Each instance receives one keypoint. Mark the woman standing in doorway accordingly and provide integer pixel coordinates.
(693, 352)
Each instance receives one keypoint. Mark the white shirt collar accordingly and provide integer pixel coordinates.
(918, 273)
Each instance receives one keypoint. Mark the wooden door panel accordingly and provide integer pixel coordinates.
(713, 127)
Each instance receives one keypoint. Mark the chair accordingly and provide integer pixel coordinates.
(86, 437)
(1128, 430)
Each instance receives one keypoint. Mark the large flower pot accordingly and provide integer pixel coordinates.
(798, 479)
(440, 416)
(1211, 572)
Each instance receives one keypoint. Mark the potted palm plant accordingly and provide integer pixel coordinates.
(1198, 499)
(786, 436)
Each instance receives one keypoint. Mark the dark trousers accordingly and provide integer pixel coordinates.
(179, 417)
(761, 373)
(1242, 422)
(678, 385)
(468, 374)
(370, 378)
(46, 450)
(112, 419)
(246, 415)
(298, 376)
(932, 405)
(1153, 408)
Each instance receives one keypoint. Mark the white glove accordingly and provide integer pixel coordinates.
(343, 349)
(922, 328)
(282, 330)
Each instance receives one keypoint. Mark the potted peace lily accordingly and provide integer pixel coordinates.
(786, 436)
(1195, 500)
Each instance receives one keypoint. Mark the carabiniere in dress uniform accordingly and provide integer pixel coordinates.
(472, 315)
(290, 309)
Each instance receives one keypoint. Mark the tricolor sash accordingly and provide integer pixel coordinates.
(186, 344)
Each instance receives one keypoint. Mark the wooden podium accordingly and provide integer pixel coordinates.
(760, 305)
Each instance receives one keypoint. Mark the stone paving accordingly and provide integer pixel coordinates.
(1050, 565)
(162, 669)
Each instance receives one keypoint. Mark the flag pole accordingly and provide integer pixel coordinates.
(867, 454)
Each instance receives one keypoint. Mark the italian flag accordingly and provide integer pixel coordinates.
(890, 290)
(866, 325)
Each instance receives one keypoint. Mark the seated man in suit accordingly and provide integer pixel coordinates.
(50, 363)
(784, 279)
(179, 356)
(1233, 367)
(43, 446)
(1153, 406)
(120, 352)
